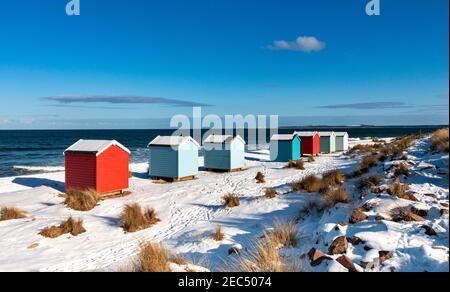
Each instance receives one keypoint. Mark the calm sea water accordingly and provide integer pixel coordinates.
(25, 152)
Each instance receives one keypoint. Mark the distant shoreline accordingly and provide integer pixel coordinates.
(281, 127)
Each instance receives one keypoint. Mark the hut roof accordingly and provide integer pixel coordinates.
(222, 139)
(306, 133)
(326, 134)
(94, 146)
(283, 137)
(172, 141)
(341, 134)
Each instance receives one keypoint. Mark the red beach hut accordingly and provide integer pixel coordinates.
(310, 143)
(100, 165)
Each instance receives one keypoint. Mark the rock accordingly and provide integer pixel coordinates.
(379, 217)
(357, 216)
(235, 249)
(363, 195)
(367, 248)
(317, 257)
(385, 255)
(420, 212)
(370, 265)
(339, 246)
(431, 196)
(343, 223)
(347, 263)
(356, 240)
(408, 216)
(429, 230)
(408, 196)
(444, 204)
(412, 197)
(424, 165)
(444, 212)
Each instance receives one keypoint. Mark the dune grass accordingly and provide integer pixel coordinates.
(72, 226)
(332, 197)
(310, 183)
(270, 193)
(231, 200)
(296, 164)
(260, 177)
(11, 213)
(440, 140)
(367, 182)
(81, 200)
(134, 218)
(334, 178)
(152, 257)
(218, 234)
(284, 233)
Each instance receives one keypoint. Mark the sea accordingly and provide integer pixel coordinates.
(25, 152)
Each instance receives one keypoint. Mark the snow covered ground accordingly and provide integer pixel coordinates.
(190, 211)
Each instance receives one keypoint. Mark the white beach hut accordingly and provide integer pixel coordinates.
(341, 141)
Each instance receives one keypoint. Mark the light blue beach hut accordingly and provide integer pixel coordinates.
(173, 157)
(224, 152)
(285, 147)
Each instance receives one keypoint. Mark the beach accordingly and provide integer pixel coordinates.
(190, 211)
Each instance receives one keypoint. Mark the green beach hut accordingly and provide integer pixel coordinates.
(327, 142)
(284, 147)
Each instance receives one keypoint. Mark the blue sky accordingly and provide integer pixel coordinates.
(135, 63)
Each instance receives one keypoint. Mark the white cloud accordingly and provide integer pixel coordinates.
(306, 44)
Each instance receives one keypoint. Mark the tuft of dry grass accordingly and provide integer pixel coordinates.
(135, 219)
(265, 258)
(311, 159)
(179, 260)
(366, 148)
(297, 164)
(368, 182)
(366, 163)
(81, 200)
(72, 226)
(314, 204)
(440, 140)
(377, 140)
(11, 213)
(218, 234)
(284, 234)
(404, 214)
(311, 184)
(398, 189)
(334, 178)
(152, 257)
(260, 177)
(231, 200)
(332, 197)
(401, 170)
(270, 193)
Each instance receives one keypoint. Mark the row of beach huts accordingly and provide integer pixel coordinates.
(103, 165)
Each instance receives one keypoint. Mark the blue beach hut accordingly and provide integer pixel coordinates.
(173, 157)
(285, 147)
(224, 152)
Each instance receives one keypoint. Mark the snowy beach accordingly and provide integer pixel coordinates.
(190, 211)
